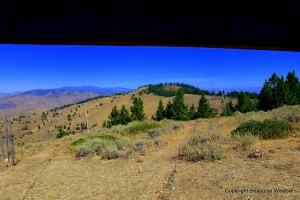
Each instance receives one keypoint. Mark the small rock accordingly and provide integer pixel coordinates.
(258, 153)
(141, 170)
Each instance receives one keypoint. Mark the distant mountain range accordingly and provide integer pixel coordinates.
(100, 90)
(49, 98)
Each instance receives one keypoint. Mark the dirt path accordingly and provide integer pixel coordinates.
(47, 176)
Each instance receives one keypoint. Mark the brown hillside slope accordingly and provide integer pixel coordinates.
(97, 110)
(16, 104)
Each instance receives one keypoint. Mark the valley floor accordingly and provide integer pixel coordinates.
(56, 174)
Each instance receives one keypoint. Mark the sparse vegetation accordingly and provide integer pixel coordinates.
(245, 140)
(205, 147)
(154, 133)
(206, 151)
(106, 146)
(210, 136)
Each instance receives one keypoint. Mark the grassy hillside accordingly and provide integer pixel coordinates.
(64, 165)
(46, 125)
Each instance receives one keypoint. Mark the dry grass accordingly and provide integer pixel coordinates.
(96, 114)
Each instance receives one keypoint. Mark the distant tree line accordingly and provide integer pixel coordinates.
(79, 102)
(90, 99)
(159, 90)
(236, 94)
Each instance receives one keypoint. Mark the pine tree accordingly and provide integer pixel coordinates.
(266, 97)
(292, 83)
(114, 117)
(167, 111)
(192, 112)
(229, 109)
(179, 110)
(282, 92)
(159, 115)
(124, 115)
(204, 110)
(278, 92)
(137, 109)
(244, 103)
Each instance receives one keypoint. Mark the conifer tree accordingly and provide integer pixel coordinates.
(179, 110)
(277, 91)
(293, 86)
(266, 97)
(137, 109)
(192, 112)
(124, 115)
(167, 111)
(114, 117)
(229, 109)
(282, 92)
(204, 110)
(244, 103)
(159, 115)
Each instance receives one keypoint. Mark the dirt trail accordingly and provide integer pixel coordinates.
(47, 176)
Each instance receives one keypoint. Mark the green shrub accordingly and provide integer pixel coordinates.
(142, 127)
(62, 133)
(105, 137)
(110, 152)
(207, 151)
(78, 142)
(268, 129)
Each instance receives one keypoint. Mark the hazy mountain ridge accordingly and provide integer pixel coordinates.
(100, 90)
(49, 98)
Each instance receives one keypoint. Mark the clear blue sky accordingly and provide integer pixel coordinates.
(26, 67)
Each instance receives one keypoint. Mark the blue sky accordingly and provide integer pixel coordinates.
(27, 67)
